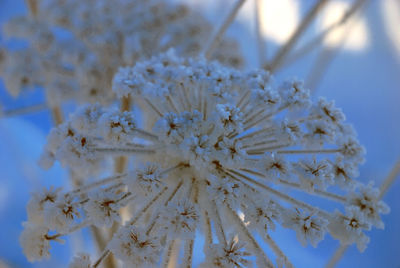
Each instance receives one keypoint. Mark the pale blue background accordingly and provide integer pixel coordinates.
(364, 83)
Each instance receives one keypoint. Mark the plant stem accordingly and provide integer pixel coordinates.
(241, 227)
(57, 115)
(259, 37)
(24, 110)
(337, 256)
(33, 7)
(301, 28)
(222, 28)
(310, 45)
(394, 173)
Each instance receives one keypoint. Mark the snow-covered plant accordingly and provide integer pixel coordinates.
(73, 48)
(213, 151)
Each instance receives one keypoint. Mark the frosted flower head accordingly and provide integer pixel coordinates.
(294, 95)
(180, 220)
(314, 174)
(115, 126)
(366, 199)
(224, 190)
(134, 247)
(61, 214)
(230, 117)
(20, 71)
(80, 261)
(344, 172)
(37, 203)
(230, 152)
(102, 208)
(211, 152)
(275, 166)
(349, 228)
(225, 256)
(145, 180)
(263, 214)
(99, 37)
(86, 118)
(327, 110)
(319, 132)
(309, 227)
(266, 96)
(35, 242)
(351, 149)
(71, 148)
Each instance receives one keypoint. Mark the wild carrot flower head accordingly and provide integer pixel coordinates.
(218, 151)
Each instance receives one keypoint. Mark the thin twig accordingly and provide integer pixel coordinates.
(297, 186)
(168, 253)
(33, 7)
(324, 59)
(188, 253)
(287, 47)
(222, 28)
(57, 114)
(219, 228)
(337, 256)
(102, 257)
(98, 237)
(24, 110)
(260, 40)
(394, 173)
(319, 69)
(278, 252)
(322, 151)
(120, 161)
(147, 206)
(124, 150)
(276, 193)
(310, 45)
(87, 187)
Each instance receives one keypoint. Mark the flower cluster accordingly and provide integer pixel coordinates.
(75, 47)
(219, 152)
